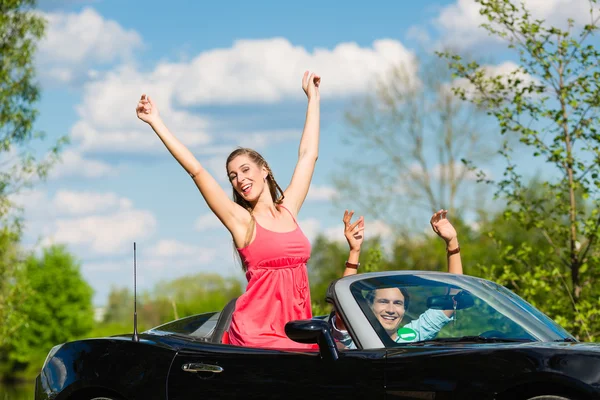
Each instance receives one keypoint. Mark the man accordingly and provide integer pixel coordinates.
(390, 304)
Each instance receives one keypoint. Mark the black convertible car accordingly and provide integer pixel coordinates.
(490, 344)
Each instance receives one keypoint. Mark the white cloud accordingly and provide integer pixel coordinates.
(419, 34)
(320, 193)
(107, 266)
(103, 234)
(74, 164)
(74, 42)
(261, 139)
(335, 233)
(30, 201)
(265, 71)
(216, 166)
(378, 228)
(173, 249)
(67, 202)
(440, 172)
(206, 222)
(310, 228)
(107, 115)
(91, 222)
(373, 228)
(459, 23)
(252, 71)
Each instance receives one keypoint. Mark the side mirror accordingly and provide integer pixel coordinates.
(314, 331)
(446, 302)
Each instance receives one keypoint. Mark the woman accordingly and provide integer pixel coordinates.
(262, 223)
(390, 304)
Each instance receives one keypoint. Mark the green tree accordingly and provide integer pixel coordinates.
(59, 309)
(192, 294)
(120, 306)
(552, 104)
(20, 29)
(13, 287)
(169, 300)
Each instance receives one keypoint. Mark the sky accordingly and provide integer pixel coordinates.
(223, 74)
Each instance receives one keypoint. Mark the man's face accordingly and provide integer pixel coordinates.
(388, 307)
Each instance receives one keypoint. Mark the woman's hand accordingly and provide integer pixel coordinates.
(354, 232)
(442, 226)
(146, 110)
(310, 85)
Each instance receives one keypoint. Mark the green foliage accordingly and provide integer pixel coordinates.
(13, 287)
(552, 104)
(58, 309)
(181, 297)
(20, 29)
(120, 306)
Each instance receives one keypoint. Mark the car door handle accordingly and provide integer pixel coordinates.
(197, 367)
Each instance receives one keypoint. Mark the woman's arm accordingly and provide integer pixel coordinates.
(231, 214)
(446, 231)
(354, 233)
(309, 147)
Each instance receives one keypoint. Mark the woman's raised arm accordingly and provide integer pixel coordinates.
(445, 230)
(309, 146)
(233, 216)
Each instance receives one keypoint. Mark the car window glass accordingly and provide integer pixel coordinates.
(193, 325)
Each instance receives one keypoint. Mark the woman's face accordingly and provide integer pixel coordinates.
(388, 307)
(246, 177)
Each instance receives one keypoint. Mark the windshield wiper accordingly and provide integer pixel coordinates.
(471, 339)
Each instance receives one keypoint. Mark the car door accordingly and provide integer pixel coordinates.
(231, 372)
(444, 372)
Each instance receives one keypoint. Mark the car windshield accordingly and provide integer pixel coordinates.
(432, 308)
(199, 326)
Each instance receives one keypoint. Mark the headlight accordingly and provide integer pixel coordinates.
(51, 354)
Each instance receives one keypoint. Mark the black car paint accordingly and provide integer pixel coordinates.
(278, 375)
(152, 369)
(494, 371)
(118, 365)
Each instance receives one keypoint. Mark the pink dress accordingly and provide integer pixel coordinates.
(277, 290)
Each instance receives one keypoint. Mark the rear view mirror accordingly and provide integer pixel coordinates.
(446, 302)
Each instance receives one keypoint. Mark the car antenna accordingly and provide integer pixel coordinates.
(135, 337)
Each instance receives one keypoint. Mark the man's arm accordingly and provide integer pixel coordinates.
(428, 325)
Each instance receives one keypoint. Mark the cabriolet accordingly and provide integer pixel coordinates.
(494, 345)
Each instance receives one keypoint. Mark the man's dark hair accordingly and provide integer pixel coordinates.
(370, 296)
